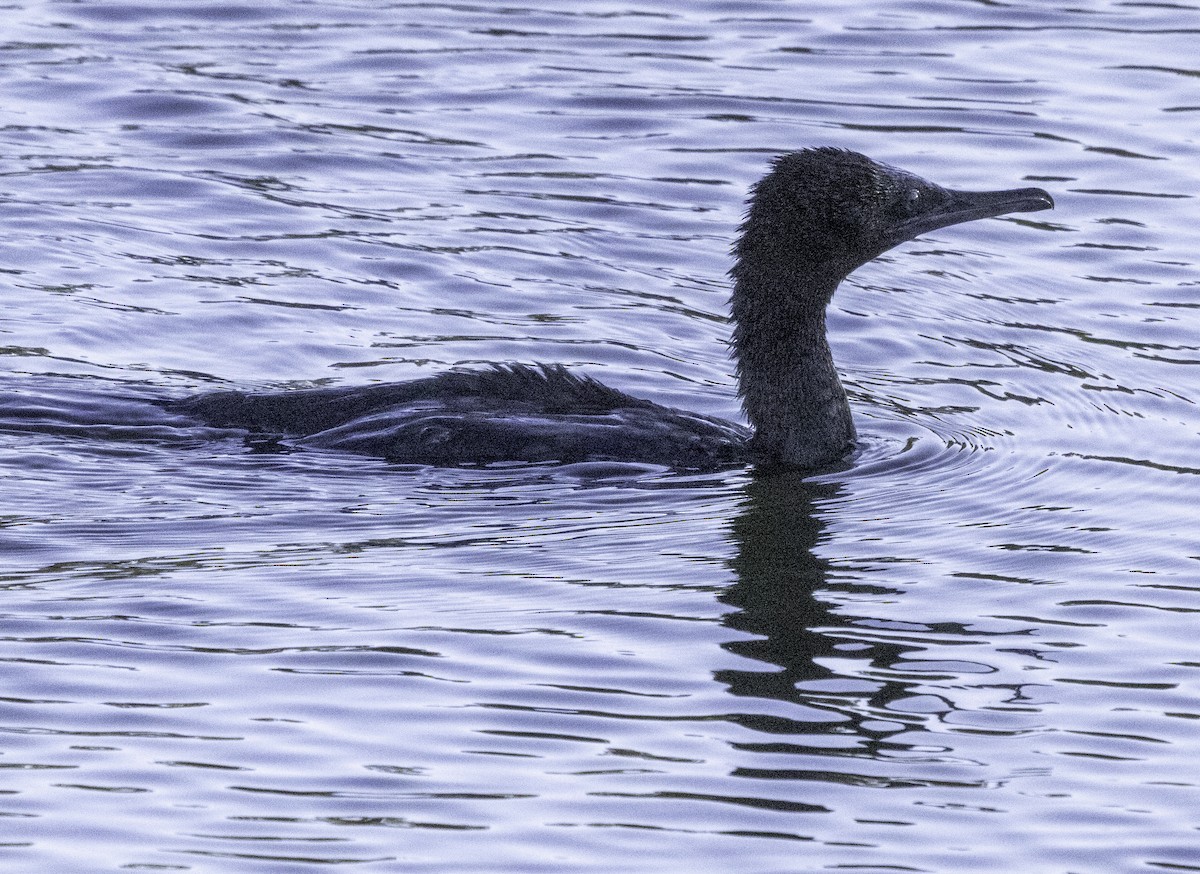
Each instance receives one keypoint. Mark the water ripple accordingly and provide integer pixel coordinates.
(216, 654)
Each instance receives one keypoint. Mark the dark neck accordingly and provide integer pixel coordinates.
(789, 387)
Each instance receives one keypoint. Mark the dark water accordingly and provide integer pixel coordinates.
(973, 650)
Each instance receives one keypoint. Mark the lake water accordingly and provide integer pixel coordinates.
(973, 649)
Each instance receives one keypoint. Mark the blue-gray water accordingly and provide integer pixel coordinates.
(975, 649)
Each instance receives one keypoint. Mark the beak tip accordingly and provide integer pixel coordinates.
(1045, 201)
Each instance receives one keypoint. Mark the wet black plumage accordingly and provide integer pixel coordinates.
(812, 219)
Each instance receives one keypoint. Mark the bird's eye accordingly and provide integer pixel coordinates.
(910, 202)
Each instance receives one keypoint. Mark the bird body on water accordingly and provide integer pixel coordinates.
(817, 215)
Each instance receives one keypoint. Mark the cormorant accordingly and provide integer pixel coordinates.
(812, 219)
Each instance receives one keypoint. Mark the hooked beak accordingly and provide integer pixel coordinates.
(966, 206)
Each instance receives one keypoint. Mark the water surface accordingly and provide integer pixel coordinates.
(972, 649)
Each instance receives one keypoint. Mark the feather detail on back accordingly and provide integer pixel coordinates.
(507, 412)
